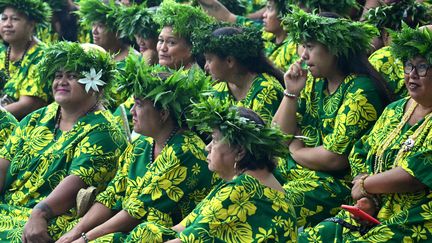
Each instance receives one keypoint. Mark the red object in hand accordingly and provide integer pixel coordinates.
(357, 212)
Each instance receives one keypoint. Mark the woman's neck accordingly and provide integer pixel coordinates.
(280, 36)
(334, 80)
(240, 83)
(19, 48)
(71, 114)
(120, 52)
(163, 135)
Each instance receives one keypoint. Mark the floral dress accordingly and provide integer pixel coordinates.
(334, 121)
(7, 125)
(404, 217)
(40, 160)
(391, 69)
(263, 97)
(24, 77)
(242, 210)
(164, 191)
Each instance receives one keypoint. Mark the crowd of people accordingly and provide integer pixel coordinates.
(215, 121)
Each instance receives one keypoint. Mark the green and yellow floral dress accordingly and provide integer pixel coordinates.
(336, 122)
(7, 125)
(242, 210)
(40, 160)
(24, 77)
(404, 217)
(391, 69)
(164, 191)
(263, 97)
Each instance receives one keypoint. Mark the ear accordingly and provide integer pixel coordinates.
(241, 153)
(164, 115)
(231, 61)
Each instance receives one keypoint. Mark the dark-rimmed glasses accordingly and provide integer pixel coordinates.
(421, 68)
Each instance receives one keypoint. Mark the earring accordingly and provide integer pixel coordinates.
(235, 165)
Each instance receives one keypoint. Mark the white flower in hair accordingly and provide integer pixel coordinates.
(92, 80)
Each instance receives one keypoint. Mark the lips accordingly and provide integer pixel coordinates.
(163, 57)
(412, 85)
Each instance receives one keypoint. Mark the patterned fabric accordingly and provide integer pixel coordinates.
(24, 79)
(90, 150)
(334, 121)
(391, 69)
(263, 97)
(404, 217)
(7, 125)
(242, 210)
(282, 55)
(254, 5)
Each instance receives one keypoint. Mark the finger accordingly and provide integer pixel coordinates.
(23, 238)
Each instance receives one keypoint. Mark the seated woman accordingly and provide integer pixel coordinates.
(57, 150)
(163, 176)
(234, 58)
(250, 205)
(7, 125)
(334, 105)
(22, 91)
(392, 163)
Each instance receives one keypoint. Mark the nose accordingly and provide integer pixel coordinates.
(164, 47)
(132, 110)
(208, 147)
(95, 30)
(206, 67)
(414, 74)
(305, 54)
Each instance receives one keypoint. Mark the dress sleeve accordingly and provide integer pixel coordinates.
(267, 101)
(34, 86)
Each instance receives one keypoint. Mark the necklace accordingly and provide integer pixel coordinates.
(18, 63)
(406, 146)
(152, 148)
(59, 116)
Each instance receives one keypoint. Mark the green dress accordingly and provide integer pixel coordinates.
(164, 191)
(391, 69)
(242, 210)
(24, 78)
(334, 121)
(38, 163)
(404, 217)
(7, 125)
(263, 97)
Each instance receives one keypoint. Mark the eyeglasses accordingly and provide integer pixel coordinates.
(421, 68)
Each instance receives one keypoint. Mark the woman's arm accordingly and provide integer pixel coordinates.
(219, 11)
(61, 199)
(24, 106)
(4, 165)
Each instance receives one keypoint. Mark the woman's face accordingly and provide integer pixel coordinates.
(145, 44)
(67, 90)
(146, 118)
(102, 36)
(217, 67)
(271, 20)
(15, 26)
(173, 51)
(320, 61)
(221, 157)
(418, 80)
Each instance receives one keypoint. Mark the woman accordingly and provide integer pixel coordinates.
(391, 163)
(250, 205)
(333, 105)
(164, 175)
(23, 91)
(57, 150)
(234, 58)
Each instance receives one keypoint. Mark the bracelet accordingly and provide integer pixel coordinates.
(289, 95)
(362, 188)
(84, 236)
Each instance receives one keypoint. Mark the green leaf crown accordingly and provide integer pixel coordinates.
(92, 11)
(338, 6)
(36, 10)
(257, 139)
(168, 89)
(136, 20)
(184, 19)
(79, 58)
(410, 43)
(341, 36)
(246, 44)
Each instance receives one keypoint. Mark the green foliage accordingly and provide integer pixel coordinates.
(391, 16)
(234, 6)
(244, 45)
(91, 11)
(261, 141)
(341, 7)
(136, 20)
(341, 36)
(36, 10)
(410, 43)
(70, 56)
(184, 19)
(168, 89)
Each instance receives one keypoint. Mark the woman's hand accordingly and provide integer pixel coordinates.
(295, 78)
(356, 191)
(69, 236)
(79, 240)
(368, 206)
(36, 230)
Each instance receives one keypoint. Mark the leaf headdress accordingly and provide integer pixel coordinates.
(410, 43)
(79, 58)
(259, 140)
(167, 89)
(184, 19)
(36, 10)
(136, 20)
(242, 42)
(338, 6)
(92, 11)
(342, 37)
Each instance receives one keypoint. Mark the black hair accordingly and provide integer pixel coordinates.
(68, 21)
